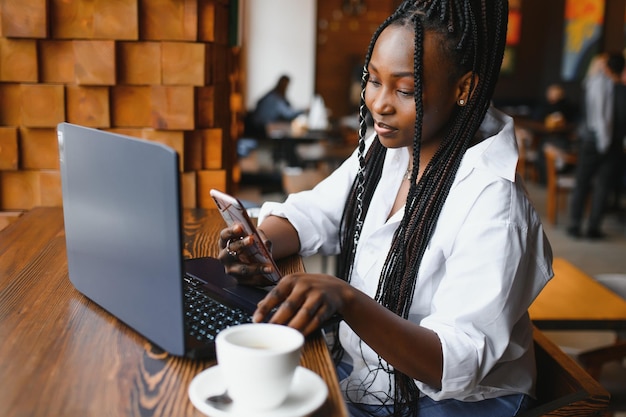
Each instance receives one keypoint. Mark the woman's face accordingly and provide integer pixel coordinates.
(389, 94)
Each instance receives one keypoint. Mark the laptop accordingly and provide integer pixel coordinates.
(123, 229)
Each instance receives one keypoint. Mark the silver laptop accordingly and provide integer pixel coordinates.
(123, 228)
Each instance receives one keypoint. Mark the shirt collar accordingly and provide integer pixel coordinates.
(497, 152)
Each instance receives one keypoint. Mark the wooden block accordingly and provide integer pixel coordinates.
(140, 63)
(193, 151)
(42, 105)
(8, 148)
(220, 63)
(209, 66)
(88, 106)
(174, 20)
(172, 107)
(10, 110)
(221, 23)
(183, 63)
(207, 180)
(57, 61)
(173, 139)
(8, 217)
(188, 189)
(50, 188)
(205, 107)
(116, 19)
(38, 148)
(18, 60)
(134, 132)
(71, 19)
(206, 20)
(221, 109)
(94, 62)
(94, 19)
(19, 190)
(130, 106)
(212, 148)
(24, 18)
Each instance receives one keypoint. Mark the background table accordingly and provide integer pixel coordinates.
(62, 355)
(573, 300)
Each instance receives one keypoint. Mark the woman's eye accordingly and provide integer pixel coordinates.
(406, 93)
(373, 82)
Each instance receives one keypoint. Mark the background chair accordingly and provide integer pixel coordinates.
(527, 163)
(297, 179)
(601, 353)
(559, 184)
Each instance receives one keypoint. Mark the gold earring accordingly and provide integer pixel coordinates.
(461, 102)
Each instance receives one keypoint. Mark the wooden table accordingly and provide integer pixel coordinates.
(573, 300)
(62, 355)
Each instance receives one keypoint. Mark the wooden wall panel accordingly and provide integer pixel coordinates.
(172, 107)
(183, 63)
(8, 217)
(8, 148)
(20, 190)
(95, 19)
(158, 70)
(24, 18)
(94, 62)
(173, 20)
(188, 189)
(18, 60)
(10, 110)
(205, 107)
(139, 63)
(57, 61)
(130, 106)
(88, 106)
(38, 148)
(206, 180)
(42, 105)
(51, 194)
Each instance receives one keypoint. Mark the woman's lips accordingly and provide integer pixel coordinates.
(383, 129)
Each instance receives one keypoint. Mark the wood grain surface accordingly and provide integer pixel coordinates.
(62, 355)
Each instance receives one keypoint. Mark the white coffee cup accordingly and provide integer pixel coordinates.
(257, 362)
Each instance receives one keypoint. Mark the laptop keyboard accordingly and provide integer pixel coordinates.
(206, 317)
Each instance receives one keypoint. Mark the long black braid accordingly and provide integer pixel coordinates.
(472, 33)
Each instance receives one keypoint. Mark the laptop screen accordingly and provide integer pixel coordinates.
(121, 203)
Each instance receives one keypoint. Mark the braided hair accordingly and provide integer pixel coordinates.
(472, 34)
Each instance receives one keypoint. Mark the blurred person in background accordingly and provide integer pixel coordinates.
(601, 142)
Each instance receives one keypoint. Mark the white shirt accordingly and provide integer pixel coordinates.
(599, 103)
(486, 262)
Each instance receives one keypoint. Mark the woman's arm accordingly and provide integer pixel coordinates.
(282, 236)
(307, 300)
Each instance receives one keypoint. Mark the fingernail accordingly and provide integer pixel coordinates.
(267, 269)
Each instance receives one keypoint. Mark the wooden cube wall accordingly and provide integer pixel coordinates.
(159, 70)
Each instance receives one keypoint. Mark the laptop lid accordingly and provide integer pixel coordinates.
(121, 204)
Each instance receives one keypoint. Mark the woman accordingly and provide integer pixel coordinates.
(440, 251)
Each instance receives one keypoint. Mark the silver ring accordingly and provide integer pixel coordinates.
(232, 253)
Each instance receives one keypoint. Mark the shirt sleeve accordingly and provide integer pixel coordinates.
(495, 268)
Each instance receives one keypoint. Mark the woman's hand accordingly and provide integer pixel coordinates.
(236, 255)
(306, 301)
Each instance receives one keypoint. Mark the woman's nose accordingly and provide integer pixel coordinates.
(381, 103)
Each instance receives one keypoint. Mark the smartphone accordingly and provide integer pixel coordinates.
(234, 212)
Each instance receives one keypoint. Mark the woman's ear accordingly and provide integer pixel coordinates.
(466, 85)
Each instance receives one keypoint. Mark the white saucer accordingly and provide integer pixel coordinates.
(307, 393)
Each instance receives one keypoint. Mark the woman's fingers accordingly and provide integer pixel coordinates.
(298, 303)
